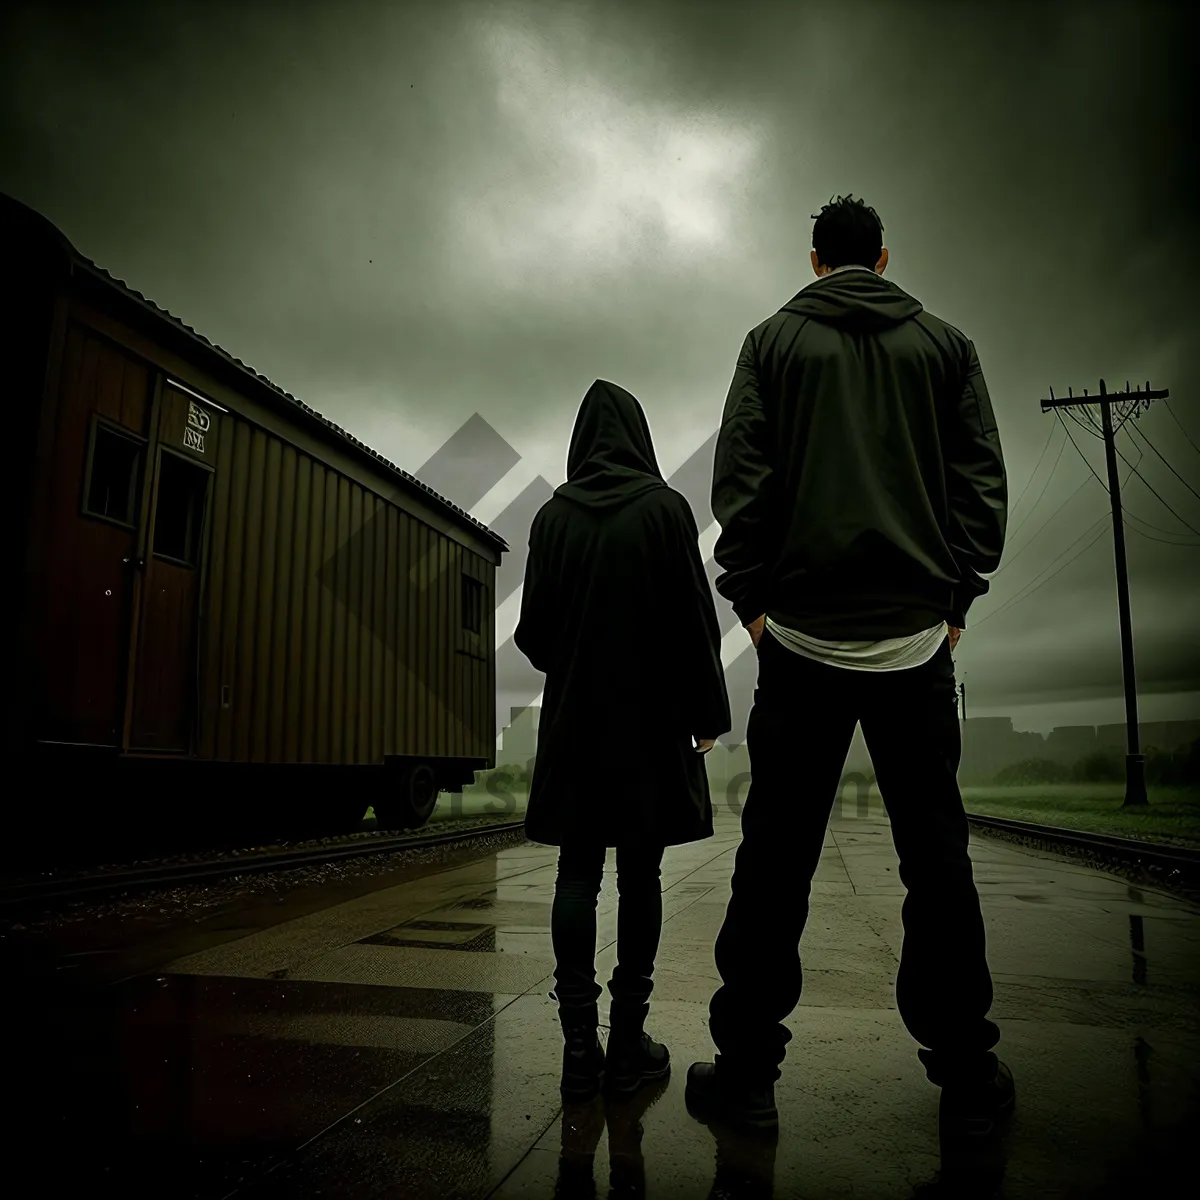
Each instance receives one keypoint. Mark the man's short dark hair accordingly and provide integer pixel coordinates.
(847, 232)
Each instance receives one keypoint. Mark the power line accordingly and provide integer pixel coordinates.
(1017, 596)
(1087, 418)
(1063, 505)
(1021, 523)
(1148, 524)
(1125, 510)
(1088, 423)
(1154, 493)
(1101, 481)
(1181, 428)
(1043, 525)
(1165, 463)
(1028, 591)
(1033, 475)
(1058, 413)
(1130, 412)
(1085, 421)
(1165, 541)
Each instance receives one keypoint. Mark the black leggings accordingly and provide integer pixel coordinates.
(639, 925)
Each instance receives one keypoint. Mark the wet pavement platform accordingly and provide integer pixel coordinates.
(402, 1044)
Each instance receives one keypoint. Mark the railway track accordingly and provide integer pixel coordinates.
(1159, 862)
(106, 882)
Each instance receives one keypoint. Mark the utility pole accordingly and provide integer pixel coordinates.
(1135, 761)
(962, 693)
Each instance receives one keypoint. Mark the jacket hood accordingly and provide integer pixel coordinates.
(854, 299)
(611, 458)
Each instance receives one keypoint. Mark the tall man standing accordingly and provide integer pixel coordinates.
(861, 492)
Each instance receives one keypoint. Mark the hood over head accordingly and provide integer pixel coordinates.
(855, 300)
(611, 459)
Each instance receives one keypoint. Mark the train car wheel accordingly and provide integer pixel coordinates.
(413, 800)
(421, 795)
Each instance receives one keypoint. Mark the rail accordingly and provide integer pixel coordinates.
(1168, 863)
(226, 865)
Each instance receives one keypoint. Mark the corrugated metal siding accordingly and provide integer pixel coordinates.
(392, 677)
(380, 654)
(332, 617)
(420, 544)
(441, 648)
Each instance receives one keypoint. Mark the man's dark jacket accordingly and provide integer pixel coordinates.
(859, 481)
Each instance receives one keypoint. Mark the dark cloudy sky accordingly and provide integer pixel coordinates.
(406, 214)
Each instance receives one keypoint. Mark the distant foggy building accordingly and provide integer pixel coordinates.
(989, 744)
(1068, 743)
(1168, 736)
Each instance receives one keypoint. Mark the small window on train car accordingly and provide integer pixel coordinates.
(472, 604)
(113, 470)
(179, 510)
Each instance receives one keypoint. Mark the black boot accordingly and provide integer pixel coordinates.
(713, 1093)
(970, 1109)
(583, 1057)
(634, 1057)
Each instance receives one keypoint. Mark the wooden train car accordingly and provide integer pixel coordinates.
(216, 583)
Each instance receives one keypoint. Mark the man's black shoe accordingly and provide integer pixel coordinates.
(632, 1062)
(712, 1095)
(972, 1109)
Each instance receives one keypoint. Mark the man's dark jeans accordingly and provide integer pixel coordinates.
(639, 926)
(799, 734)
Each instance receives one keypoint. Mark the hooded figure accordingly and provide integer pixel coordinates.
(618, 612)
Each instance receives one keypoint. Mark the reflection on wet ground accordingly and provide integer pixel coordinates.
(401, 1043)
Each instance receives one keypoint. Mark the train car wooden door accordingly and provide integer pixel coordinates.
(164, 669)
(95, 487)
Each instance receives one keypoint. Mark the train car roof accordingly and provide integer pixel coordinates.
(13, 209)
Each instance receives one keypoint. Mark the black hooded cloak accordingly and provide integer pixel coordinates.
(618, 613)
